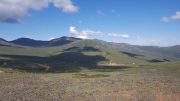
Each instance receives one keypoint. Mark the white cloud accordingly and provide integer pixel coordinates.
(85, 34)
(115, 35)
(164, 19)
(171, 18)
(66, 5)
(11, 11)
(52, 38)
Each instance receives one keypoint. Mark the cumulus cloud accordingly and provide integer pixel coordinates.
(85, 34)
(11, 11)
(115, 35)
(171, 18)
(66, 5)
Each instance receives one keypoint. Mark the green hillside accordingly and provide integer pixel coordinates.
(81, 54)
(88, 70)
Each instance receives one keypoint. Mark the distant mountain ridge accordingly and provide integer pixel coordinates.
(65, 40)
(77, 44)
(29, 42)
(39, 43)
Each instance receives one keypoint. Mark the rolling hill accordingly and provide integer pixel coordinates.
(73, 54)
(39, 43)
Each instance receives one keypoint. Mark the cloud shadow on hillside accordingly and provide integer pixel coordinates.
(65, 62)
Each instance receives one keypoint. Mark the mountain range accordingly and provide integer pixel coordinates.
(69, 53)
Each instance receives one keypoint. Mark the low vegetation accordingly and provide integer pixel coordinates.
(148, 82)
(82, 75)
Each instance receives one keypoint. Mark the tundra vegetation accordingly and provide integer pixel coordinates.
(88, 70)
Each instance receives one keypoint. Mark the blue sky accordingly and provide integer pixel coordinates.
(139, 22)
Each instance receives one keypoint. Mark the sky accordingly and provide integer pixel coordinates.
(137, 22)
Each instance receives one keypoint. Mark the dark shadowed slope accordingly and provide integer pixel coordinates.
(39, 43)
(29, 42)
(65, 62)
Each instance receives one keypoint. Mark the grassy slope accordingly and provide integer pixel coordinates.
(53, 56)
(150, 82)
(140, 82)
(110, 54)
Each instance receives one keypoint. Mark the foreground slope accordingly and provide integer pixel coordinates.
(152, 82)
